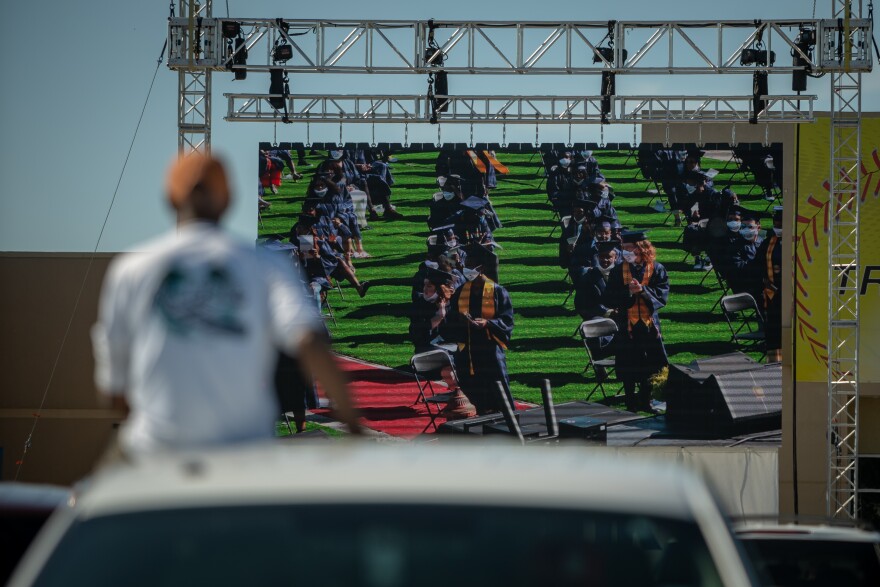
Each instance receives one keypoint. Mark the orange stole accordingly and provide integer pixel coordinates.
(487, 311)
(638, 312)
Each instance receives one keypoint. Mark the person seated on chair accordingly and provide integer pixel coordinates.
(471, 226)
(317, 247)
(560, 182)
(769, 260)
(721, 247)
(429, 310)
(480, 320)
(572, 227)
(435, 259)
(341, 212)
(637, 289)
(444, 208)
(602, 195)
(588, 293)
(747, 275)
(379, 190)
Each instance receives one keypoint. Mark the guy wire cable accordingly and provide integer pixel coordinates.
(27, 443)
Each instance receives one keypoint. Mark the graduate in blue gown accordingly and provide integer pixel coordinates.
(480, 321)
(637, 289)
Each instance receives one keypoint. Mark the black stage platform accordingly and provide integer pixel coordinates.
(598, 424)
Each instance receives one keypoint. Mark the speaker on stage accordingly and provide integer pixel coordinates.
(723, 396)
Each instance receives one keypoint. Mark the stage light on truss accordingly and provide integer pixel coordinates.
(441, 88)
(282, 53)
(805, 42)
(757, 57)
(759, 88)
(608, 90)
(278, 85)
(607, 53)
(230, 29)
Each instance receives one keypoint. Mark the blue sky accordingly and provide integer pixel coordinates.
(75, 76)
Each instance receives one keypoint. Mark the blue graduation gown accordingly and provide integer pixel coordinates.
(480, 360)
(639, 350)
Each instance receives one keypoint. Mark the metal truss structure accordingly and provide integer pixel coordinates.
(844, 278)
(631, 47)
(841, 47)
(193, 79)
(518, 109)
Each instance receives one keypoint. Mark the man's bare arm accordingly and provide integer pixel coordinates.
(318, 361)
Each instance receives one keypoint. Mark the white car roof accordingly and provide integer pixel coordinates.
(756, 530)
(357, 472)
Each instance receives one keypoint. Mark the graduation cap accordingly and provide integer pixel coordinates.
(607, 246)
(439, 278)
(335, 154)
(582, 200)
(696, 175)
(307, 220)
(477, 255)
(475, 203)
(605, 219)
(751, 215)
(444, 232)
(436, 246)
(633, 236)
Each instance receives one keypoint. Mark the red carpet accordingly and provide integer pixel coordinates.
(385, 399)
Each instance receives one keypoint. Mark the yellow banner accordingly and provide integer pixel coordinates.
(810, 320)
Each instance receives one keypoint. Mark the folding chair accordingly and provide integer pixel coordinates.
(745, 322)
(423, 365)
(593, 330)
(725, 288)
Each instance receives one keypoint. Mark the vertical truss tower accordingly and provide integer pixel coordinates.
(844, 279)
(194, 80)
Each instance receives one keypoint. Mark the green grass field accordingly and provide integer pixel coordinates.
(375, 328)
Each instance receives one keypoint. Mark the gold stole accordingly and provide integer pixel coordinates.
(638, 312)
(769, 292)
(487, 311)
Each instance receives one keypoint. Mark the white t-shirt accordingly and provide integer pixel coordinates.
(188, 332)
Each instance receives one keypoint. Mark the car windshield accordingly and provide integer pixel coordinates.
(380, 546)
(802, 562)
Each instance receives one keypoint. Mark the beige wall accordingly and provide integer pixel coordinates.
(37, 301)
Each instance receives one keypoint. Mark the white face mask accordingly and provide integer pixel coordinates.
(605, 194)
(441, 181)
(629, 256)
(606, 270)
(432, 265)
(321, 193)
(690, 188)
(448, 195)
(734, 225)
(335, 154)
(470, 274)
(431, 297)
(565, 162)
(777, 231)
(748, 233)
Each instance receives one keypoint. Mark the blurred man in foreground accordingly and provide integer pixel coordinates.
(187, 331)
